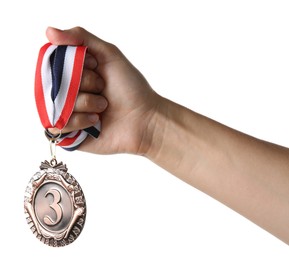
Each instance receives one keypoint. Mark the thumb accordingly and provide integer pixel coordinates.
(101, 50)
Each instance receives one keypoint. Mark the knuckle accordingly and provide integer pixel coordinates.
(113, 49)
(87, 101)
(78, 29)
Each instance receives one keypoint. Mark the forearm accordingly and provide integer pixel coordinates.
(248, 175)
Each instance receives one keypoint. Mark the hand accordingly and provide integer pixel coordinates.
(226, 164)
(112, 86)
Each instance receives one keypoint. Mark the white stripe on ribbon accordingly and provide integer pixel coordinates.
(47, 82)
(60, 100)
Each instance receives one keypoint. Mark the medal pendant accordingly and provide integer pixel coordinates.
(54, 205)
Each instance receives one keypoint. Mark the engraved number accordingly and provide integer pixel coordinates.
(55, 206)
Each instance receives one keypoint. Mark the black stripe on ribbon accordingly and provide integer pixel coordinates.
(57, 62)
(92, 131)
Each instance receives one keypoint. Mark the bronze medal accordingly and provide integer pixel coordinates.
(54, 205)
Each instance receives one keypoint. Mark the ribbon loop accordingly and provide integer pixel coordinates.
(57, 81)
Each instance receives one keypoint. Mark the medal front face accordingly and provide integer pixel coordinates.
(54, 205)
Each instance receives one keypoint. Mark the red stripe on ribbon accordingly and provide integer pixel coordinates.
(73, 87)
(38, 90)
(69, 140)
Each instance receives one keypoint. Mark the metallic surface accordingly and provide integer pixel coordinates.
(54, 205)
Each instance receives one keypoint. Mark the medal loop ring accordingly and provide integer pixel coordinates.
(53, 140)
(51, 137)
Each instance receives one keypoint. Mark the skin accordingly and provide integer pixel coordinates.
(249, 175)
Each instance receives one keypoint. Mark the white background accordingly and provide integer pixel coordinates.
(228, 60)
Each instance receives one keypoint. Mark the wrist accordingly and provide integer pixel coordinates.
(169, 134)
(151, 138)
(176, 143)
(154, 131)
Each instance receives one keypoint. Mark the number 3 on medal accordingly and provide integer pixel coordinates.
(55, 206)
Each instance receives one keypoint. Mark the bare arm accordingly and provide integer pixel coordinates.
(248, 175)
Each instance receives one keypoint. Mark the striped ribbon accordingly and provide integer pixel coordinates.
(57, 80)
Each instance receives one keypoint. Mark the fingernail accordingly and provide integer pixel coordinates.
(93, 118)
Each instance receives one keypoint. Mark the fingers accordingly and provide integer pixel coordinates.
(91, 82)
(77, 121)
(101, 50)
(90, 62)
(90, 103)
(85, 114)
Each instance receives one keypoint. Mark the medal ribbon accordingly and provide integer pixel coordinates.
(57, 81)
